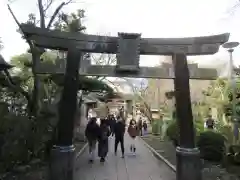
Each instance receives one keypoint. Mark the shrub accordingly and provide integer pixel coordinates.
(234, 154)
(156, 127)
(211, 146)
(172, 132)
(227, 132)
(199, 126)
(23, 139)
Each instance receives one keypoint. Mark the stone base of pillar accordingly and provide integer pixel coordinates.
(188, 164)
(62, 163)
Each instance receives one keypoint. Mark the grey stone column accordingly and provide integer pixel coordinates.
(63, 157)
(62, 163)
(188, 158)
(188, 164)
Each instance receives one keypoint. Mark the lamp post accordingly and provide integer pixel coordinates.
(231, 78)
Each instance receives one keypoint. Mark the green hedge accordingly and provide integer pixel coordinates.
(172, 132)
(23, 139)
(234, 154)
(211, 146)
(156, 127)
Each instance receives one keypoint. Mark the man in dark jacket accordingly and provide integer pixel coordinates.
(92, 133)
(119, 130)
(112, 122)
(210, 122)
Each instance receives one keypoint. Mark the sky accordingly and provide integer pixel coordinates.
(151, 18)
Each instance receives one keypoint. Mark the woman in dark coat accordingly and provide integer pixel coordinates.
(103, 140)
(140, 126)
(92, 132)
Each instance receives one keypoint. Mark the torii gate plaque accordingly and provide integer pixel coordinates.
(128, 47)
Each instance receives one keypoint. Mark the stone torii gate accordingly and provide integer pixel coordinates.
(128, 47)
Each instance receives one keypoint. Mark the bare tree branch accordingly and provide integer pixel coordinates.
(98, 60)
(35, 58)
(55, 14)
(41, 13)
(19, 25)
(57, 11)
(48, 4)
(111, 59)
(146, 105)
(15, 87)
(1, 45)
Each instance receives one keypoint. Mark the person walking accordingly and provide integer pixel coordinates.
(112, 124)
(133, 132)
(140, 126)
(103, 140)
(210, 122)
(121, 112)
(110, 120)
(119, 130)
(92, 132)
(145, 126)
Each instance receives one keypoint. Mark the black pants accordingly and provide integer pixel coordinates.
(121, 141)
(112, 130)
(140, 132)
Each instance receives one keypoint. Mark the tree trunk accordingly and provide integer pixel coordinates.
(35, 93)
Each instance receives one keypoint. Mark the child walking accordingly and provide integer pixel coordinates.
(133, 132)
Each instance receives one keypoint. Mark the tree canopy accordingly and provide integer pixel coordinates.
(88, 84)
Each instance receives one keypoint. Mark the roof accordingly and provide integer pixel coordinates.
(89, 99)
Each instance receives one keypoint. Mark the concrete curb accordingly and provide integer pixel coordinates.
(159, 156)
(79, 153)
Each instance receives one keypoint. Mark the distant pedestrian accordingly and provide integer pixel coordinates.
(92, 132)
(119, 130)
(210, 122)
(133, 132)
(140, 124)
(112, 122)
(103, 140)
(121, 112)
(145, 126)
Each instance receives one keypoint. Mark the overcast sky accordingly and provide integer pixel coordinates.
(152, 18)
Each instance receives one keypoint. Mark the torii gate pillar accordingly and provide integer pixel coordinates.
(128, 47)
(188, 165)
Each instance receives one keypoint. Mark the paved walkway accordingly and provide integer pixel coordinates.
(142, 166)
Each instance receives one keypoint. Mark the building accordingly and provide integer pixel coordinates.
(155, 94)
(119, 101)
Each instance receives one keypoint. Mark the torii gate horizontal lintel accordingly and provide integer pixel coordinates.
(58, 40)
(144, 72)
(127, 48)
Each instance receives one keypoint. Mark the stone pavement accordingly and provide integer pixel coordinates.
(142, 166)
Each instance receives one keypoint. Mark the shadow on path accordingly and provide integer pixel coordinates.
(142, 166)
